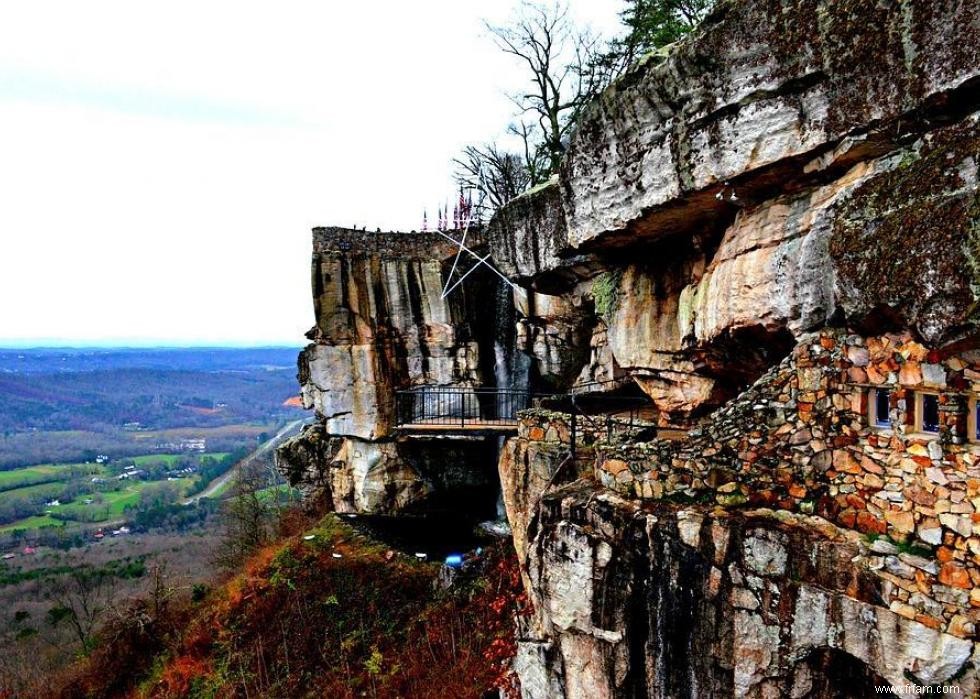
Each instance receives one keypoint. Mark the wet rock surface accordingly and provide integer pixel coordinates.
(382, 324)
(692, 602)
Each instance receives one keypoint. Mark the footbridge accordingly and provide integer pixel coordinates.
(459, 410)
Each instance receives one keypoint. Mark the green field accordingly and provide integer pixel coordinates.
(46, 473)
(72, 484)
(111, 505)
(37, 522)
(45, 490)
(150, 459)
(284, 492)
(171, 459)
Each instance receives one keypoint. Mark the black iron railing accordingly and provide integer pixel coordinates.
(459, 406)
(602, 416)
(591, 416)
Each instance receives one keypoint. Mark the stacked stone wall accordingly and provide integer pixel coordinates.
(425, 245)
(800, 440)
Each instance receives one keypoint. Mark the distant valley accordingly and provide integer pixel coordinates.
(119, 465)
(68, 405)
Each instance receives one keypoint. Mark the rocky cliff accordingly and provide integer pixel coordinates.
(755, 182)
(382, 325)
(771, 229)
(770, 232)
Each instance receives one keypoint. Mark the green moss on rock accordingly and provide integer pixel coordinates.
(605, 293)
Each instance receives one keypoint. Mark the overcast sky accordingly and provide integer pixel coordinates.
(161, 164)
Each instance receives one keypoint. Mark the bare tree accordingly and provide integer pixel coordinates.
(246, 517)
(501, 175)
(564, 75)
(567, 68)
(82, 599)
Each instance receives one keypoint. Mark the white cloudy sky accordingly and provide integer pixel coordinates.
(161, 164)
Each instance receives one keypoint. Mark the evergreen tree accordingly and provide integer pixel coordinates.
(653, 24)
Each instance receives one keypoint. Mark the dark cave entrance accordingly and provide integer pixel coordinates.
(829, 673)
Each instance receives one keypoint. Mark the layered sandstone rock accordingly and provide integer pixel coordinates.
(769, 223)
(753, 98)
(908, 238)
(696, 319)
(691, 602)
(556, 333)
(761, 227)
(382, 325)
(754, 182)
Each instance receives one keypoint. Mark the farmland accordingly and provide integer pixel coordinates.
(47, 473)
(69, 405)
(116, 471)
(90, 436)
(60, 495)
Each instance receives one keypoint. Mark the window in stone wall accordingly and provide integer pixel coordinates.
(973, 423)
(879, 407)
(927, 413)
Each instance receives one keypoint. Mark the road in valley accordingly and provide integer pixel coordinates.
(218, 483)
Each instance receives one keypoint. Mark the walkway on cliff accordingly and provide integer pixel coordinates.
(459, 409)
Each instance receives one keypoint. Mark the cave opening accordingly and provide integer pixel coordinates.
(465, 491)
(829, 673)
(737, 359)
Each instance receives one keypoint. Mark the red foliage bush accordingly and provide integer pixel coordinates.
(300, 621)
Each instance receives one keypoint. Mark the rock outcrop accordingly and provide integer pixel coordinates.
(754, 183)
(692, 602)
(383, 324)
(767, 95)
(773, 230)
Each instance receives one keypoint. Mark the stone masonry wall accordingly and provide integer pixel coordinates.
(394, 244)
(799, 440)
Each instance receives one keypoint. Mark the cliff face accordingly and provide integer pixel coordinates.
(382, 325)
(771, 229)
(675, 602)
(755, 183)
(768, 96)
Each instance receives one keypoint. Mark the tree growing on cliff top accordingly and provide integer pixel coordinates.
(502, 175)
(652, 24)
(567, 67)
(563, 76)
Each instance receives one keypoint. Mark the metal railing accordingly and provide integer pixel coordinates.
(608, 417)
(459, 406)
(591, 416)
